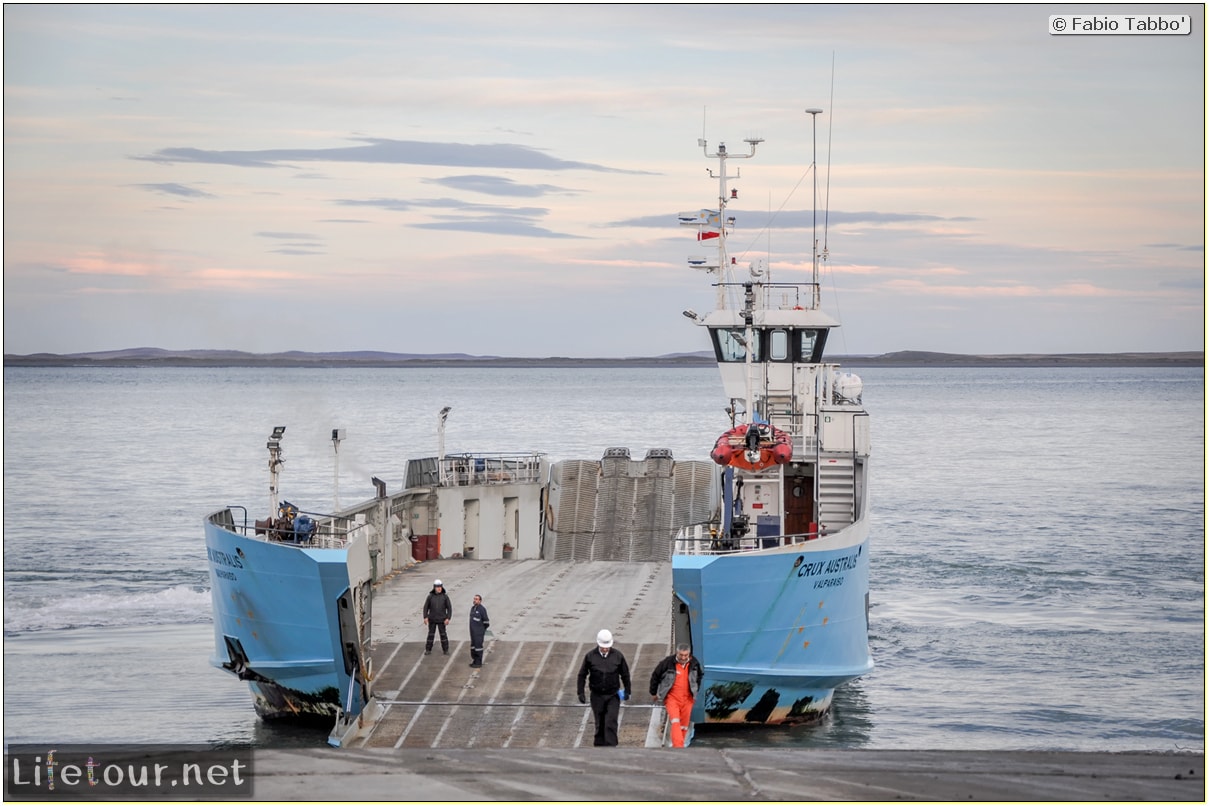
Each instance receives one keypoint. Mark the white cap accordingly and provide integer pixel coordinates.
(604, 638)
(436, 582)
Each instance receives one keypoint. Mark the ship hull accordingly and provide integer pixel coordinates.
(277, 623)
(776, 630)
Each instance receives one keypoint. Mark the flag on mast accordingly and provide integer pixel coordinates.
(694, 218)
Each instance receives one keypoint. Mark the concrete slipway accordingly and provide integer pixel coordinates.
(513, 730)
(637, 774)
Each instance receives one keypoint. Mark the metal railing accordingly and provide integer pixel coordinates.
(331, 531)
(468, 469)
(705, 539)
(795, 296)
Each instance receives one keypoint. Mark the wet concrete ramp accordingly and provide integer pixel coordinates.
(523, 696)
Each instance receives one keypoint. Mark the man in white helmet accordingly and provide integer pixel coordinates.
(608, 677)
(438, 610)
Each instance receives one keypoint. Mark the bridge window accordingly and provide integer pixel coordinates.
(731, 345)
(778, 345)
(810, 346)
(773, 344)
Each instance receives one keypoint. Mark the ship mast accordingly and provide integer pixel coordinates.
(276, 460)
(723, 197)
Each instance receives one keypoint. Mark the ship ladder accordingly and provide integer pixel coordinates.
(837, 492)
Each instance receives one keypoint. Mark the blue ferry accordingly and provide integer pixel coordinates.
(291, 607)
(292, 594)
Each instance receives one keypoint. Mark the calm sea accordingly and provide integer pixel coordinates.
(1038, 546)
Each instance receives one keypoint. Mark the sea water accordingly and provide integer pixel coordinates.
(1038, 545)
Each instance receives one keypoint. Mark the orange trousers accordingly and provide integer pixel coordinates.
(680, 714)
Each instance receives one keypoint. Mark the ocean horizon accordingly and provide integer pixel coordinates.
(155, 356)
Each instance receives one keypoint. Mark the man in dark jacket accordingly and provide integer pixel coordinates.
(675, 682)
(608, 677)
(479, 622)
(438, 610)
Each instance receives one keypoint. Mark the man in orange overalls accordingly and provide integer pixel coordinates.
(675, 681)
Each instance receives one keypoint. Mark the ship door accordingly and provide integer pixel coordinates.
(799, 500)
(682, 626)
(470, 526)
(512, 522)
(353, 616)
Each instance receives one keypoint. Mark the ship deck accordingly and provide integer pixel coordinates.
(544, 618)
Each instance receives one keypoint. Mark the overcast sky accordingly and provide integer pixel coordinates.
(504, 180)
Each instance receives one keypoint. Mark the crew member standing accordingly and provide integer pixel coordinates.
(479, 622)
(438, 610)
(675, 681)
(608, 677)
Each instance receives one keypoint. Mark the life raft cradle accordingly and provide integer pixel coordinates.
(753, 446)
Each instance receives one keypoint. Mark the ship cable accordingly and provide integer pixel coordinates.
(509, 704)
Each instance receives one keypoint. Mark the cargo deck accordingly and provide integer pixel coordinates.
(544, 618)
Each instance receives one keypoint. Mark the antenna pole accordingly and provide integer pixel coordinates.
(722, 156)
(275, 462)
(337, 435)
(441, 417)
(814, 202)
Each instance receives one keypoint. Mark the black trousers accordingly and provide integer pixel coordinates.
(606, 708)
(433, 626)
(476, 647)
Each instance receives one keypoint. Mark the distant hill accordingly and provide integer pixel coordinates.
(917, 358)
(157, 354)
(156, 357)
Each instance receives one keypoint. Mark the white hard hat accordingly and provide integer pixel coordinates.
(436, 583)
(604, 638)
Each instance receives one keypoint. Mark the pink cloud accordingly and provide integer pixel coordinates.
(918, 287)
(94, 263)
(173, 274)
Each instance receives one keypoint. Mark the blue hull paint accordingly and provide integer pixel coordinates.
(278, 604)
(777, 631)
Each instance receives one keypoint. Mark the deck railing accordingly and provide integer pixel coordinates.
(702, 539)
(331, 531)
(468, 469)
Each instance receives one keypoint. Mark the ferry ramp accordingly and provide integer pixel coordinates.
(544, 618)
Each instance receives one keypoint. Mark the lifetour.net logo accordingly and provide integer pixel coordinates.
(135, 772)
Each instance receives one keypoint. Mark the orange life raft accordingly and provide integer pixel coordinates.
(771, 445)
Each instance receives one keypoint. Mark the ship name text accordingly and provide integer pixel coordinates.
(834, 566)
(222, 558)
